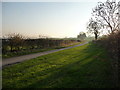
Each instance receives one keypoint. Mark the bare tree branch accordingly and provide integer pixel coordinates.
(106, 14)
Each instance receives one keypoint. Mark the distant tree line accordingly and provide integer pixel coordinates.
(17, 42)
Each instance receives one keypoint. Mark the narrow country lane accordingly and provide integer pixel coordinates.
(14, 60)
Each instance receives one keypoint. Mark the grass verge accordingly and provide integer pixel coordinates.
(87, 66)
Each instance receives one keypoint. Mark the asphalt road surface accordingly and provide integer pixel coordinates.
(18, 59)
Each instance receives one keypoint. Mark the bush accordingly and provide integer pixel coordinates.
(16, 44)
(112, 44)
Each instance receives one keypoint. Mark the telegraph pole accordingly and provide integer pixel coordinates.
(119, 14)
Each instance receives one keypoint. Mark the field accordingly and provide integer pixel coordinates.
(87, 66)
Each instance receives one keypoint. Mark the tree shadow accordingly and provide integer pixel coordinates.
(80, 74)
(84, 72)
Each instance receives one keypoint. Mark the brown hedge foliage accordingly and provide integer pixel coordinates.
(30, 44)
(112, 44)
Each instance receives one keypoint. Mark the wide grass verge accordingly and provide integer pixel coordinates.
(87, 66)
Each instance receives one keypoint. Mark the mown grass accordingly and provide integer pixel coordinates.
(25, 52)
(87, 66)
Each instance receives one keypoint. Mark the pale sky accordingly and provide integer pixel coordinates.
(53, 19)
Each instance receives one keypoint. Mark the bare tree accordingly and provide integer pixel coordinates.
(94, 27)
(15, 41)
(107, 14)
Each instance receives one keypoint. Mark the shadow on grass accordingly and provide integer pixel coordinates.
(83, 73)
(90, 70)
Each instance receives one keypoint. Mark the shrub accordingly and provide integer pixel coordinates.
(112, 44)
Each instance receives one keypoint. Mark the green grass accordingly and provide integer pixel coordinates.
(87, 66)
(20, 53)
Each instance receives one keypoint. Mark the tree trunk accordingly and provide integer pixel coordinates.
(11, 48)
(96, 36)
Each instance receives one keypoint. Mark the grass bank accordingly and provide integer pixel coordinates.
(87, 66)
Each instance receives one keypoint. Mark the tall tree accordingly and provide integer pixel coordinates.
(107, 14)
(94, 27)
(81, 36)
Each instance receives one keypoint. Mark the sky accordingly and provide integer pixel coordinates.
(0, 19)
(52, 19)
